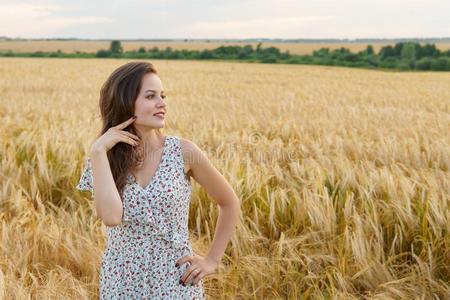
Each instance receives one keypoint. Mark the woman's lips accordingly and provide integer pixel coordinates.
(159, 115)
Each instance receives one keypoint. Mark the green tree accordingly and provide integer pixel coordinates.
(429, 50)
(322, 52)
(245, 52)
(387, 51)
(369, 50)
(440, 64)
(258, 47)
(116, 47)
(409, 51)
(423, 63)
(103, 53)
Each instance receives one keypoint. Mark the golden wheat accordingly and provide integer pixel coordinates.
(343, 176)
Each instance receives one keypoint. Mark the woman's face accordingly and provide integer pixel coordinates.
(149, 102)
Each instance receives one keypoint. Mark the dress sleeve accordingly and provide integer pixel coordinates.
(86, 182)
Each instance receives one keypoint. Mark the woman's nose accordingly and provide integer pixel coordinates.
(162, 102)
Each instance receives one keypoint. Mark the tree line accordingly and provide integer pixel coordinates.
(401, 56)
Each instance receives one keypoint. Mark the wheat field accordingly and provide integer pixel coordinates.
(72, 46)
(343, 177)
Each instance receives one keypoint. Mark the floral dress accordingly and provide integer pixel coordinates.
(141, 252)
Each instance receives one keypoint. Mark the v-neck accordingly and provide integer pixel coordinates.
(157, 169)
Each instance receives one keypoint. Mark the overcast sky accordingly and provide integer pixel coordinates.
(152, 19)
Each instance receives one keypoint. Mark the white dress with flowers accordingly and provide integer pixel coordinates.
(139, 259)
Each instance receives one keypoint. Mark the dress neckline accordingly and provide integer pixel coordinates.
(157, 169)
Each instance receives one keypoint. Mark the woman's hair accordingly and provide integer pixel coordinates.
(117, 101)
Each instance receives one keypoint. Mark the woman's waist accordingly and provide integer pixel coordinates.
(147, 232)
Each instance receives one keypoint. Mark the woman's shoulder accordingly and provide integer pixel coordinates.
(187, 145)
(190, 152)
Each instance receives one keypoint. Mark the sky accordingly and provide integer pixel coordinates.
(227, 19)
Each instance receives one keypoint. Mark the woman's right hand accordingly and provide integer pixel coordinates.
(114, 135)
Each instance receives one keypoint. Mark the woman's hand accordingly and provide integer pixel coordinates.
(200, 266)
(115, 135)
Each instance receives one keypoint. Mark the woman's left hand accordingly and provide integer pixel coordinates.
(200, 266)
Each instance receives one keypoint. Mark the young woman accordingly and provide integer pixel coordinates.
(140, 183)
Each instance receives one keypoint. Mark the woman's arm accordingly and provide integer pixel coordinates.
(108, 203)
(201, 169)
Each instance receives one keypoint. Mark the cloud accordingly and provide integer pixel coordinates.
(256, 27)
(223, 19)
(79, 20)
(39, 20)
(288, 21)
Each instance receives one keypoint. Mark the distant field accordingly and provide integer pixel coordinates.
(93, 46)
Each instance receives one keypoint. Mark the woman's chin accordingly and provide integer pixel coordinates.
(152, 125)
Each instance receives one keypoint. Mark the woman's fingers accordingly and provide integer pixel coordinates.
(184, 259)
(126, 123)
(192, 276)
(187, 275)
(127, 140)
(130, 135)
(198, 278)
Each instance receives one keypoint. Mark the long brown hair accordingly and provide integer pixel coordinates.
(117, 101)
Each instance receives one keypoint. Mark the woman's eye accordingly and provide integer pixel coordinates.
(162, 96)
